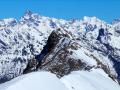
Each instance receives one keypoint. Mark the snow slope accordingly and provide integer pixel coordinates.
(79, 80)
(34, 81)
(82, 80)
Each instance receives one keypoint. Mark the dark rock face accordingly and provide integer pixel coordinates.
(51, 42)
(58, 59)
(31, 66)
(101, 33)
(116, 64)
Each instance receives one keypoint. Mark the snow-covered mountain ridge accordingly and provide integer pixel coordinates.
(37, 42)
(79, 80)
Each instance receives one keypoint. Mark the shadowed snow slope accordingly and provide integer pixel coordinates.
(79, 80)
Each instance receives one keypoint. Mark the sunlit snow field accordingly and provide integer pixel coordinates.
(78, 80)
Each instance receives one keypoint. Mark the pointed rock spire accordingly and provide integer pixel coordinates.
(28, 12)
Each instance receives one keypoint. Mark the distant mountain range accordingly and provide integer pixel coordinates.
(39, 43)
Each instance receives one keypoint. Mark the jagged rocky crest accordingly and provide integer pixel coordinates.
(38, 43)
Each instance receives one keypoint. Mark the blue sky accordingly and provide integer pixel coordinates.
(66, 9)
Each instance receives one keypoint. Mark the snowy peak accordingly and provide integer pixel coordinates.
(41, 43)
(92, 20)
(28, 13)
(8, 22)
(116, 21)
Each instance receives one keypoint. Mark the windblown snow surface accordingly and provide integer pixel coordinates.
(78, 80)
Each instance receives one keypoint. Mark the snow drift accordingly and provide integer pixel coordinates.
(80, 80)
(34, 81)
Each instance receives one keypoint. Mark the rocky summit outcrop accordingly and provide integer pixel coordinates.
(59, 60)
(67, 54)
(38, 43)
